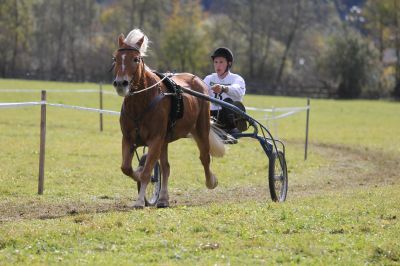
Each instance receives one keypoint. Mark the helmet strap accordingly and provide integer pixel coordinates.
(228, 67)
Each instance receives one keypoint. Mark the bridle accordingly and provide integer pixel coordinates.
(133, 88)
(140, 59)
(122, 50)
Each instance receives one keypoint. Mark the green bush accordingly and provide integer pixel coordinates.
(354, 66)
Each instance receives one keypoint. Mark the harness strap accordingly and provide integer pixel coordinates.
(177, 106)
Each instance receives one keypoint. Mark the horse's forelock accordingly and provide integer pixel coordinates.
(133, 37)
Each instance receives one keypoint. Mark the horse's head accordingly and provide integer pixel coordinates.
(128, 61)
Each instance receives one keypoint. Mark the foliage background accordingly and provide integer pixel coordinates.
(278, 45)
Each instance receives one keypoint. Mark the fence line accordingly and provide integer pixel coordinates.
(291, 111)
(58, 91)
(89, 109)
(282, 115)
(43, 103)
(288, 110)
(20, 104)
(279, 109)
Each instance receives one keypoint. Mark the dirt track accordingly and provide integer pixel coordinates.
(349, 168)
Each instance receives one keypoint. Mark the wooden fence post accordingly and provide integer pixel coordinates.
(42, 143)
(307, 125)
(101, 107)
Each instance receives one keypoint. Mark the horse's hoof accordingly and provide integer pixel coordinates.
(162, 204)
(138, 205)
(212, 185)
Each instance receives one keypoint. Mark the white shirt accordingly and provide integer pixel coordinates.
(234, 82)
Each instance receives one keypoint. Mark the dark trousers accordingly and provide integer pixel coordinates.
(224, 116)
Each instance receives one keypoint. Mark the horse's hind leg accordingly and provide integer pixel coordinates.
(211, 179)
(201, 136)
(163, 200)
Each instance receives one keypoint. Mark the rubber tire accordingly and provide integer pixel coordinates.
(156, 185)
(278, 196)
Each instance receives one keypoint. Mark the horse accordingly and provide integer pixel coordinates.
(145, 117)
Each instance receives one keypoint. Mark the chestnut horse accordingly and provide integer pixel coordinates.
(145, 115)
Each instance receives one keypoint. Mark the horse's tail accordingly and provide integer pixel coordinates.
(217, 147)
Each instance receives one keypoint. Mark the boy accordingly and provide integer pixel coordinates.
(225, 86)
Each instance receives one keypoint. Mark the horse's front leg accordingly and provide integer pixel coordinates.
(127, 155)
(153, 155)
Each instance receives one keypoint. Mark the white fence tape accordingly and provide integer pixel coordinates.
(17, 105)
(289, 111)
(282, 109)
(25, 104)
(281, 115)
(84, 108)
(58, 91)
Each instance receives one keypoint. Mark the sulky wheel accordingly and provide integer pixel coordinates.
(154, 186)
(278, 177)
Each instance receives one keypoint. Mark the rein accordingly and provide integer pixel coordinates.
(134, 92)
(131, 93)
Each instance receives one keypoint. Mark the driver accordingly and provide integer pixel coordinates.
(225, 86)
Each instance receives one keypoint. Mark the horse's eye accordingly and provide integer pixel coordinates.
(136, 60)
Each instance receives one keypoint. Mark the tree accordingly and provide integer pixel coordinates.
(268, 31)
(349, 61)
(185, 45)
(16, 32)
(396, 30)
(383, 23)
(62, 39)
(276, 43)
(125, 15)
(252, 23)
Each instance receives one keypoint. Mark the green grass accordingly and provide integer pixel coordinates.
(342, 206)
(325, 230)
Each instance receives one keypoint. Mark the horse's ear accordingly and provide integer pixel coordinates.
(139, 43)
(121, 38)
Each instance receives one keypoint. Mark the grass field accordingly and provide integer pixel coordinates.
(342, 206)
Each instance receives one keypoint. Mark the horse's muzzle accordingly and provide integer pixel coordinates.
(121, 86)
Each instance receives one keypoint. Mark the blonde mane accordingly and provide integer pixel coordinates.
(133, 37)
